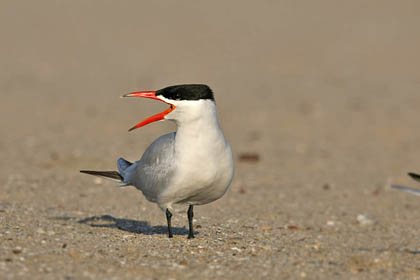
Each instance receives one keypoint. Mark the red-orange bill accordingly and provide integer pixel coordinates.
(154, 118)
(146, 94)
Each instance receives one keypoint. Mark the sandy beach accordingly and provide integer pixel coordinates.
(319, 100)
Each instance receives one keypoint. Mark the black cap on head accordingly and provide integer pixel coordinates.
(186, 92)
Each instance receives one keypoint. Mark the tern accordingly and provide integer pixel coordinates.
(192, 166)
(408, 189)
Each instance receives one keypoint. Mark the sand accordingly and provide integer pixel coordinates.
(319, 100)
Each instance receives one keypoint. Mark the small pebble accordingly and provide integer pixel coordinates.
(330, 223)
(97, 181)
(17, 250)
(236, 249)
(293, 227)
(316, 246)
(365, 220)
(249, 157)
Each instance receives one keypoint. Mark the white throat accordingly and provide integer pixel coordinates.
(199, 138)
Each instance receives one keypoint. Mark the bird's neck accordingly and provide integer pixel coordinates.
(206, 123)
(200, 128)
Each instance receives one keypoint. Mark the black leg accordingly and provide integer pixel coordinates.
(190, 221)
(168, 218)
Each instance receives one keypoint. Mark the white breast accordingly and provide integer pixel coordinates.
(203, 160)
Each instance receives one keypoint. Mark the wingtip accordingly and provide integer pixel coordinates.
(90, 172)
(414, 176)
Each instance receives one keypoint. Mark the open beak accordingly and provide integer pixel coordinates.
(154, 118)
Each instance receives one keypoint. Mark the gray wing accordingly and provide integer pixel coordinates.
(153, 171)
(406, 189)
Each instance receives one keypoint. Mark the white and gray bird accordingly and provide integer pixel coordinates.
(408, 189)
(191, 166)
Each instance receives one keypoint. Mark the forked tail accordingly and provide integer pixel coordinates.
(121, 176)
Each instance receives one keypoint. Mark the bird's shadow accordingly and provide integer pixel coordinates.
(139, 227)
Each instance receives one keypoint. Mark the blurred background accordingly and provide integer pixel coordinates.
(322, 95)
(290, 77)
(279, 68)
